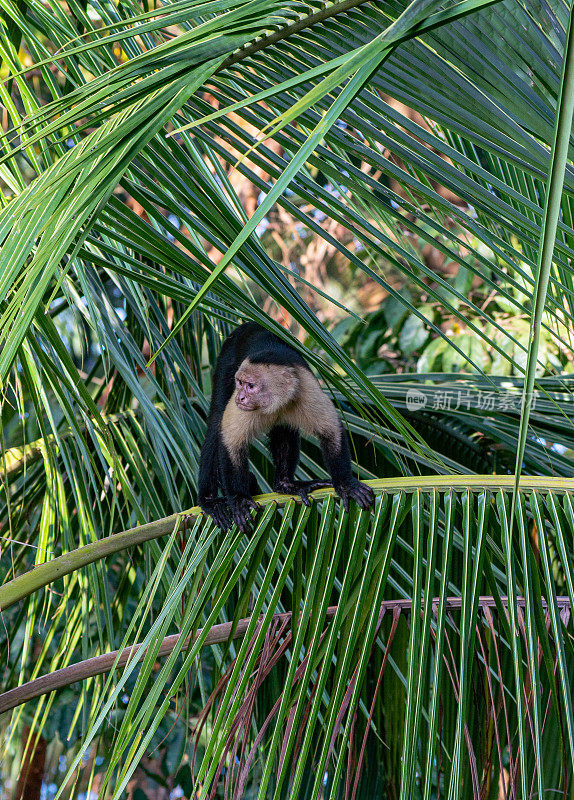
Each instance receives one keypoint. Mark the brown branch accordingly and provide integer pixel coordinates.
(218, 633)
(104, 663)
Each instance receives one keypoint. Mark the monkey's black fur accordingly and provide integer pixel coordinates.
(217, 471)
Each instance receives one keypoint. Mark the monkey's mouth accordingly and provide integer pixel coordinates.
(245, 405)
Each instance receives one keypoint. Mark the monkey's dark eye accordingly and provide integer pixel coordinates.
(250, 386)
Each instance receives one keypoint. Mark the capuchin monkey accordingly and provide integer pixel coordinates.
(261, 385)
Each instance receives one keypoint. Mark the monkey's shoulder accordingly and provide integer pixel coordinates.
(312, 411)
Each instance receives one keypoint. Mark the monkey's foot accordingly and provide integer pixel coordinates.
(241, 512)
(360, 492)
(302, 488)
(219, 512)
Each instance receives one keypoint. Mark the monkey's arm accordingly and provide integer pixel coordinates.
(315, 414)
(284, 446)
(208, 481)
(338, 462)
(237, 485)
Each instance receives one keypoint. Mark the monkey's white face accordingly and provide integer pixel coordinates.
(264, 387)
(250, 395)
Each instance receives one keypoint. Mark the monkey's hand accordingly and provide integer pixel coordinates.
(355, 490)
(302, 488)
(241, 511)
(218, 510)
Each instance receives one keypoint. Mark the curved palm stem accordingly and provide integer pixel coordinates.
(50, 571)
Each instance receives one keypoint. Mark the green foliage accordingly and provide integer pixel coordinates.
(115, 230)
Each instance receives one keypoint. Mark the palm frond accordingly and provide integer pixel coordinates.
(450, 544)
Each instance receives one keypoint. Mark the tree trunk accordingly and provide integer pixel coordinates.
(32, 771)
